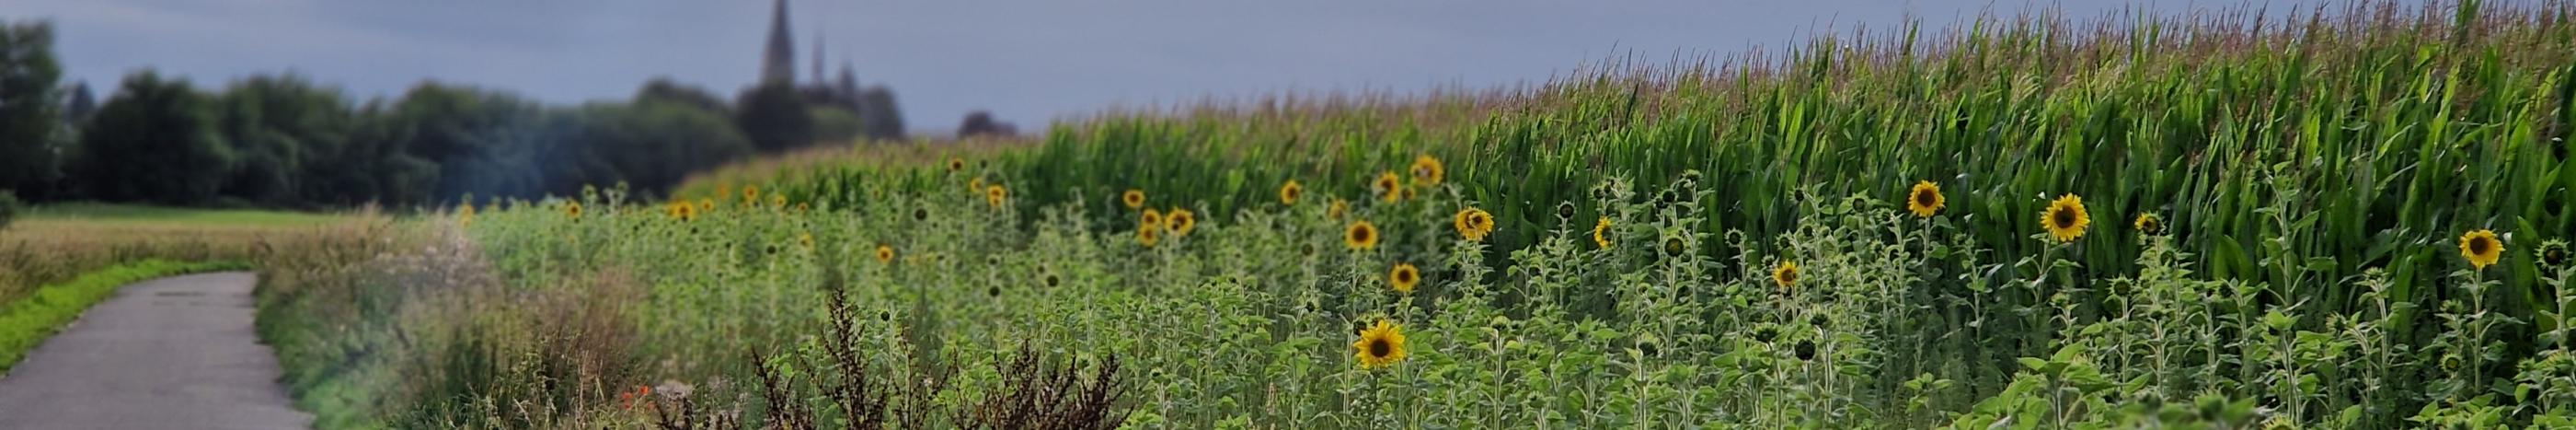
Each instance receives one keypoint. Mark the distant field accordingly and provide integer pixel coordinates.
(136, 214)
(55, 243)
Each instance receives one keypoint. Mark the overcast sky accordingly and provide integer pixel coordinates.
(1028, 61)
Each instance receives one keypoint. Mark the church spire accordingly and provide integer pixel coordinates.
(779, 63)
(818, 75)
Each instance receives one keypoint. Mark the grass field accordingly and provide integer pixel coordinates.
(52, 244)
(2355, 219)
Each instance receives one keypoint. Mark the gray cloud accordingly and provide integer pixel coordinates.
(1028, 61)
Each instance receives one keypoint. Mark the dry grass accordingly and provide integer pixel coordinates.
(52, 246)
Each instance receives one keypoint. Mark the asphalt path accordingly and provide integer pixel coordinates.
(170, 353)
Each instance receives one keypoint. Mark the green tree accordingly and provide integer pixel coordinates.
(154, 141)
(773, 115)
(30, 116)
(275, 124)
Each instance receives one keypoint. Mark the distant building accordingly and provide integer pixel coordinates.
(779, 64)
(874, 105)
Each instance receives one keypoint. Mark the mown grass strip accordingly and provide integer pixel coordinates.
(26, 323)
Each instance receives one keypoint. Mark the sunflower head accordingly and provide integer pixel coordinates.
(1565, 211)
(2482, 248)
(1473, 224)
(778, 201)
(1149, 236)
(572, 210)
(1675, 246)
(885, 253)
(1289, 192)
(1786, 274)
(1925, 200)
(1601, 233)
(1387, 186)
(975, 186)
(1381, 345)
(706, 206)
(995, 195)
(1404, 277)
(806, 240)
(1151, 220)
(920, 214)
(2553, 254)
(956, 165)
(1181, 221)
(1338, 208)
(2150, 225)
(684, 211)
(1133, 198)
(2065, 218)
(801, 208)
(1427, 170)
(750, 195)
(1360, 236)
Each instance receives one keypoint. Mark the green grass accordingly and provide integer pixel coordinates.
(26, 323)
(126, 213)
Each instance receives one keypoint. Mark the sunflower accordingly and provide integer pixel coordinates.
(706, 205)
(956, 164)
(1181, 221)
(1388, 186)
(1149, 235)
(1474, 224)
(801, 208)
(1675, 246)
(2149, 224)
(1381, 345)
(466, 216)
(751, 195)
(2553, 254)
(1360, 236)
(2481, 247)
(1601, 233)
(1925, 200)
(806, 239)
(684, 211)
(885, 253)
(1403, 277)
(1134, 198)
(778, 201)
(1786, 275)
(572, 210)
(1565, 211)
(995, 194)
(1427, 170)
(1153, 219)
(2066, 219)
(976, 185)
(1289, 192)
(1338, 208)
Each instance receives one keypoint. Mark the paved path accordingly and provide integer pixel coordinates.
(171, 353)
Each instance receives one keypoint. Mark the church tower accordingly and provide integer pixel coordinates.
(779, 63)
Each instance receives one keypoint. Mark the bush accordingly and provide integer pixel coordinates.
(9, 208)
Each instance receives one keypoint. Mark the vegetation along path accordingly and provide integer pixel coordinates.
(174, 352)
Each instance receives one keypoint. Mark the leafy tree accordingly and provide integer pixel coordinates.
(276, 124)
(877, 111)
(834, 124)
(155, 141)
(30, 117)
(663, 89)
(773, 116)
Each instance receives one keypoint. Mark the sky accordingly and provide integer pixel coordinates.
(1027, 61)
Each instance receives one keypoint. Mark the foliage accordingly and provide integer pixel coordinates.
(26, 322)
(10, 206)
(155, 141)
(28, 125)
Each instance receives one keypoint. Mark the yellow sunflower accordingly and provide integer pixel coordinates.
(1925, 200)
(684, 211)
(706, 205)
(1381, 345)
(976, 185)
(2481, 247)
(1474, 224)
(1601, 233)
(956, 164)
(1360, 236)
(1153, 219)
(801, 208)
(1403, 277)
(1289, 192)
(1388, 186)
(805, 239)
(1427, 170)
(2149, 224)
(1134, 198)
(1786, 275)
(1339, 207)
(1148, 235)
(466, 216)
(750, 195)
(994, 194)
(572, 210)
(1181, 221)
(885, 253)
(777, 201)
(2066, 219)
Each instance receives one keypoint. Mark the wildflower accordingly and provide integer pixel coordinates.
(2553, 254)
(573, 210)
(1152, 220)
(975, 186)
(466, 216)
(2147, 223)
(806, 239)
(801, 207)
(706, 205)
(2066, 219)
(1338, 208)
(1675, 246)
(1786, 275)
(1388, 186)
(1403, 277)
(1134, 198)
(1381, 345)
(956, 165)
(1427, 170)
(995, 194)
(1601, 233)
(1148, 235)
(885, 253)
(1565, 211)
(920, 214)
(2481, 247)
(1289, 192)
(1180, 221)
(751, 195)
(778, 201)
(1360, 236)
(1474, 224)
(1806, 349)
(1925, 200)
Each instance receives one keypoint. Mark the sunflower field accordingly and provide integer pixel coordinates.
(2355, 218)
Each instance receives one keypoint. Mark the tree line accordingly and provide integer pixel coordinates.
(283, 141)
